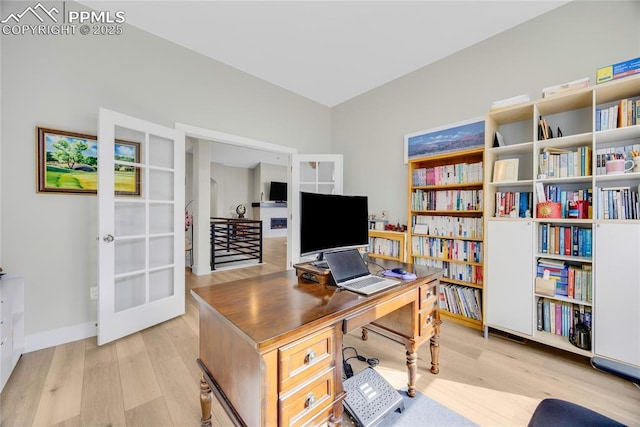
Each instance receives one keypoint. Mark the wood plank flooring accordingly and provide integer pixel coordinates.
(151, 379)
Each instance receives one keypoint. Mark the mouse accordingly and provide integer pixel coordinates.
(400, 271)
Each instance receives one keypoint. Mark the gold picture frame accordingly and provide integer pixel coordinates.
(67, 162)
(505, 170)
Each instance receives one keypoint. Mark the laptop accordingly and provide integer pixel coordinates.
(351, 273)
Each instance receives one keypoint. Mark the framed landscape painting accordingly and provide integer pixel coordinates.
(445, 139)
(68, 163)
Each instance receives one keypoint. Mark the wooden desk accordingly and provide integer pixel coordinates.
(271, 346)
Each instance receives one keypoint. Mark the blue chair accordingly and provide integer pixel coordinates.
(556, 412)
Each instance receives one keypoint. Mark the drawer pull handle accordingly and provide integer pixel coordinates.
(310, 357)
(310, 400)
(429, 319)
(429, 294)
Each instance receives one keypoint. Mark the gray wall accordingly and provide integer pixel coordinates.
(566, 44)
(60, 82)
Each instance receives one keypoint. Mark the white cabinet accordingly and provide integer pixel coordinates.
(509, 257)
(11, 324)
(617, 296)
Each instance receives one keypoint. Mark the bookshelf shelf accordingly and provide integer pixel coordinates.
(460, 300)
(455, 261)
(387, 244)
(460, 282)
(588, 247)
(448, 212)
(560, 343)
(471, 239)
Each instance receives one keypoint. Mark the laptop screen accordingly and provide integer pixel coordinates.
(346, 265)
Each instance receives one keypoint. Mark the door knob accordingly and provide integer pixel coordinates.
(108, 238)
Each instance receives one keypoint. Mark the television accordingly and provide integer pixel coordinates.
(278, 191)
(330, 222)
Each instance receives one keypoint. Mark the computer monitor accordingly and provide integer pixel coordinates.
(331, 222)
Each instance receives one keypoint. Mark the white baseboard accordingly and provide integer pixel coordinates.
(60, 336)
(200, 272)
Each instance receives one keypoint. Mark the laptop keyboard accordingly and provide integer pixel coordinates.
(359, 284)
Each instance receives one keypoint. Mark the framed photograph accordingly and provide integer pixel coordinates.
(455, 137)
(68, 163)
(505, 170)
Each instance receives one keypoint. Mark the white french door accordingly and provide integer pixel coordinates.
(140, 224)
(311, 173)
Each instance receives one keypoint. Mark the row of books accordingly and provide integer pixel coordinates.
(447, 226)
(560, 318)
(580, 283)
(604, 154)
(453, 270)
(436, 247)
(514, 204)
(570, 281)
(625, 113)
(561, 163)
(460, 300)
(554, 193)
(447, 200)
(565, 240)
(618, 203)
(382, 246)
(448, 174)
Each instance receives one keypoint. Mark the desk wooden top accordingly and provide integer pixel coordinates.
(272, 309)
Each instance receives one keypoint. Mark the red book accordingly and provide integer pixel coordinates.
(571, 282)
(567, 240)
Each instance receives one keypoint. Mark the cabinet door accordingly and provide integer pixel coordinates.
(617, 292)
(509, 290)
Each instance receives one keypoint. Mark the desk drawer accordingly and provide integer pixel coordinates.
(428, 295)
(304, 358)
(308, 401)
(428, 320)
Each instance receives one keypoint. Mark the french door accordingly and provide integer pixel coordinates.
(140, 224)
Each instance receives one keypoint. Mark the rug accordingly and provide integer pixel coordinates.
(423, 411)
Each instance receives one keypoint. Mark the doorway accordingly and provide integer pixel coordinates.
(223, 157)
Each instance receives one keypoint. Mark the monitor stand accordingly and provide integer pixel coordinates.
(311, 272)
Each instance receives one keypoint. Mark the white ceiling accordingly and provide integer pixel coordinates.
(327, 51)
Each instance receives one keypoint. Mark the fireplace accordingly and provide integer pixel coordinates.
(278, 223)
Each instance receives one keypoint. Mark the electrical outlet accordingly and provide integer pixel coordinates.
(93, 293)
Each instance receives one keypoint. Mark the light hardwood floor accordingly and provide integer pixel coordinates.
(151, 379)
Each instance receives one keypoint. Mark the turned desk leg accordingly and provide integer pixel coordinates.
(412, 369)
(434, 346)
(205, 402)
(334, 421)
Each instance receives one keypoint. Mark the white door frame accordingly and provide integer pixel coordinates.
(201, 263)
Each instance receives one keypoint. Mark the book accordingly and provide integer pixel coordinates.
(546, 315)
(539, 314)
(564, 87)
